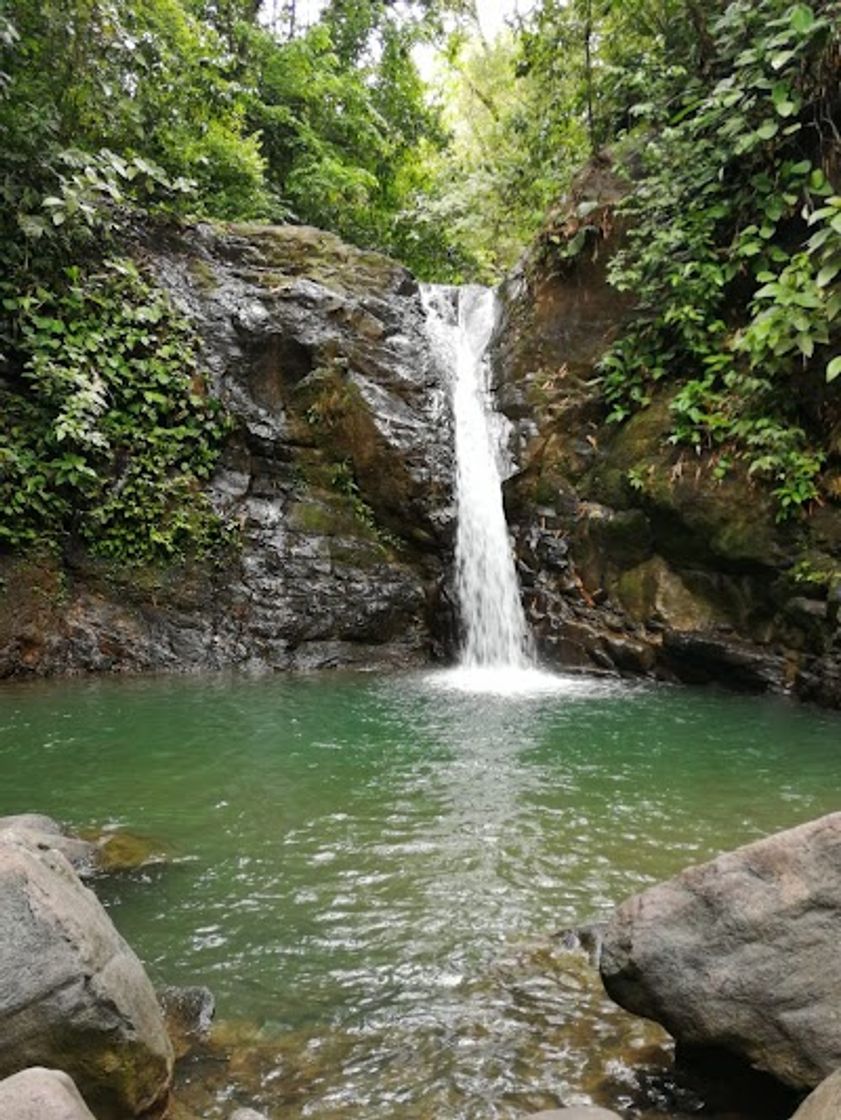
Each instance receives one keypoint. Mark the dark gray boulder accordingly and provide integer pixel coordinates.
(41, 1094)
(824, 1103)
(336, 474)
(741, 953)
(73, 995)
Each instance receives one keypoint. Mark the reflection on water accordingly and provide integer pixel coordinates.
(371, 873)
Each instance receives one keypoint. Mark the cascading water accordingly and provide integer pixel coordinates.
(461, 321)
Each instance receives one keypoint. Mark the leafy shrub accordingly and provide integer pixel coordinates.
(108, 432)
(735, 253)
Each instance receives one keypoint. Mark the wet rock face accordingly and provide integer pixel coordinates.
(740, 954)
(337, 473)
(633, 556)
(72, 993)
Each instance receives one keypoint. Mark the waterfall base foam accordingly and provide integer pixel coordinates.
(512, 681)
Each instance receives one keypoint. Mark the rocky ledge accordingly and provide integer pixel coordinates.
(337, 474)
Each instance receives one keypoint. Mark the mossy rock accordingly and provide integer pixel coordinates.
(201, 270)
(694, 516)
(323, 257)
(329, 514)
(119, 851)
(654, 590)
(606, 537)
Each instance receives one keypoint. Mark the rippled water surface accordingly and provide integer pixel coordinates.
(370, 872)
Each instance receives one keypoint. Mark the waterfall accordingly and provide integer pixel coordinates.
(461, 321)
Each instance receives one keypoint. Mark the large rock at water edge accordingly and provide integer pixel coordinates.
(73, 995)
(41, 1094)
(742, 953)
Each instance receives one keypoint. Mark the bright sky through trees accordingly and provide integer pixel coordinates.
(492, 13)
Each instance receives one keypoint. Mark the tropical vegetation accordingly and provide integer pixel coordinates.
(404, 129)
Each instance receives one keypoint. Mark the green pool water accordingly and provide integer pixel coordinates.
(369, 871)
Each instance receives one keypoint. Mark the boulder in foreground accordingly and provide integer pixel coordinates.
(73, 995)
(741, 953)
(41, 1094)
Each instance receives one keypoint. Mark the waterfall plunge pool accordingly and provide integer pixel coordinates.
(370, 871)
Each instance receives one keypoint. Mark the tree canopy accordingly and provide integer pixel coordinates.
(401, 128)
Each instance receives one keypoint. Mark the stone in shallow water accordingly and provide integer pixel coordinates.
(247, 1114)
(41, 1094)
(117, 851)
(741, 953)
(189, 1015)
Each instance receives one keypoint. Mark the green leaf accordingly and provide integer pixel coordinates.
(32, 225)
(802, 18)
(833, 368)
(767, 130)
(783, 103)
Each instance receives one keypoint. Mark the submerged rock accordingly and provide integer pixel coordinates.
(72, 993)
(107, 850)
(824, 1103)
(116, 850)
(41, 1094)
(741, 953)
(189, 1015)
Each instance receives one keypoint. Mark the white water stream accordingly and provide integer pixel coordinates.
(496, 653)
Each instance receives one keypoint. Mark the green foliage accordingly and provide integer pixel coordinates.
(491, 185)
(142, 79)
(116, 113)
(345, 126)
(108, 432)
(735, 252)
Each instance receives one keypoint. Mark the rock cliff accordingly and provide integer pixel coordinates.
(633, 556)
(337, 474)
